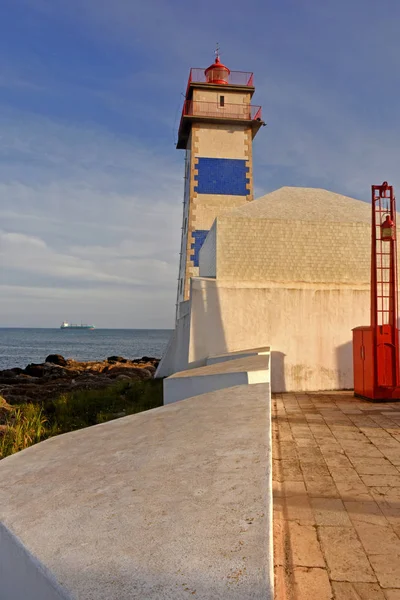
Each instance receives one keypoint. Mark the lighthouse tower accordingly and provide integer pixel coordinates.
(216, 130)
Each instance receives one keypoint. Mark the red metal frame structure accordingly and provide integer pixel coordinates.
(376, 348)
(237, 78)
(214, 109)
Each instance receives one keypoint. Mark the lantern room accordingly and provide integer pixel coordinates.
(217, 73)
(387, 229)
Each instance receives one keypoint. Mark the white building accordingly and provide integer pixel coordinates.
(290, 270)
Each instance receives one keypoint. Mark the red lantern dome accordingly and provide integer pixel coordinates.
(387, 229)
(217, 73)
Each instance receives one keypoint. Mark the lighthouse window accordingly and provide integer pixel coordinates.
(222, 100)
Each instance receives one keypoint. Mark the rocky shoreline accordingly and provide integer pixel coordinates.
(57, 375)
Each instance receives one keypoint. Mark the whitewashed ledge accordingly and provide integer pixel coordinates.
(224, 371)
(172, 503)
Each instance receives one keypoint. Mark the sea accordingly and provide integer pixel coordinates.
(19, 347)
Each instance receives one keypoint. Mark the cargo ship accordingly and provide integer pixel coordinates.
(66, 325)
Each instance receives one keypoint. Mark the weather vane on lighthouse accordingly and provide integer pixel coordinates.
(217, 52)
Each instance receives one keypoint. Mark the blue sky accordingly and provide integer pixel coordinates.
(91, 184)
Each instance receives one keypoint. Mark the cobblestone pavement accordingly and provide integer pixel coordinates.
(336, 481)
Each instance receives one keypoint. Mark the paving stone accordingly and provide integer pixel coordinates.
(282, 583)
(377, 480)
(313, 472)
(305, 548)
(330, 512)
(387, 569)
(374, 466)
(344, 474)
(365, 451)
(291, 470)
(351, 491)
(306, 443)
(357, 591)
(344, 555)
(311, 583)
(277, 488)
(348, 453)
(338, 461)
(323, 487)
(366, 512)
(385, 492)
(377, 539)
(280, 538)
(294, 488)
(298, 509)
(286, 450)
(391, 511)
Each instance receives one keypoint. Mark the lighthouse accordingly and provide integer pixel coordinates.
(217, 128)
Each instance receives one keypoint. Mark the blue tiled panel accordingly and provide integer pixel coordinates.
(222, 176)
(199, 239)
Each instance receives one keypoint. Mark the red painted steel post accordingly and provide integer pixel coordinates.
(384, 293)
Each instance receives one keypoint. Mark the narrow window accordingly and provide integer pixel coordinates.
(222, 100)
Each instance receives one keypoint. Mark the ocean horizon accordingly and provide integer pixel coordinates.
(20, 346)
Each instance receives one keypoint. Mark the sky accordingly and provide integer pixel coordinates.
(91, 184)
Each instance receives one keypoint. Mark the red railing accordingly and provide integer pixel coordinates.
(228, 111)
(235, 77)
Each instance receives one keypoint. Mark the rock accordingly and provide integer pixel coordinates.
(151, 369)
(8, 374)
(56, 359)
(46, 381)
(17, 370)
(35, 370)
(115, 359)
(132, 372)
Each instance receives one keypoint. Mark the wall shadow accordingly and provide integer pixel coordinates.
(207, 327)
(344, 362)
(278, 383)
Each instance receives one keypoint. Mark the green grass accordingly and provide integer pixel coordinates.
(28, 424)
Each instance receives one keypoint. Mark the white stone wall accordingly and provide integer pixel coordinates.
(176, 356)
(308, 327)
(208, 258)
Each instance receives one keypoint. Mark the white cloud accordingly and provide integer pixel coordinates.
(87, 207)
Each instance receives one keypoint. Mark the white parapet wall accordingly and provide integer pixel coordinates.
(217, 358)
(174, 502)
(228, 372)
